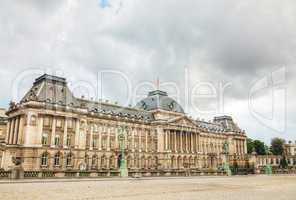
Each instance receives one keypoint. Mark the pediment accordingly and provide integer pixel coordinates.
(182, 121)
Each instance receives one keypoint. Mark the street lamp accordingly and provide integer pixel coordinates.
(121, 137)
(225, 154)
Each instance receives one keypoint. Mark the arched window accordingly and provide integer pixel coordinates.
(143, 162)
(155, 163)
(44, 159)
(185, 162)
(103, 162)
(112, 162)
(69, 160)
(149, 162)
(196, 162)
(191, 162)
(179, 162)
(57, 159)
(173, 162)
(129, 162)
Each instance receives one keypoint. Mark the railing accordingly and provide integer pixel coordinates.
(5, 174)
(31, 174)
(43, 174)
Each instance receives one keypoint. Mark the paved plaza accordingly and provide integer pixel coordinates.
(205, 188)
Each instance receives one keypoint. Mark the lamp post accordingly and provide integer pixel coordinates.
(121, 137)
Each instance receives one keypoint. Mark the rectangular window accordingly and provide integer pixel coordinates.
(104, 142)
(94, 144)
(46, 121)
(59, 123)
(57, 140)
(68, 143)
(44, 139)
(70, 123)
(112, 142)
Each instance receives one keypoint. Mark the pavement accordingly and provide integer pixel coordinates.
(280, 187)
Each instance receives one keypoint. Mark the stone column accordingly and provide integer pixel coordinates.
(77, 132)
(192, 144)
(160, 139)
(140, 140)
(53, 131)
(8, 127)
(241, 147)
(168, 140)
(21, 128)
(116, 138)
(91, 137)
(12, 131)
(40, 130)
(133, 139)
(245, 145)
(175, 138)
(181, 141)
(83, 136)
(100, 136)
(197, 142)
(16, 132)
(186, 142)
(108, 138)
(146, 140)
(65, 132)
(8, 131)
(165, 140)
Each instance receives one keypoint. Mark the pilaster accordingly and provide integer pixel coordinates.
(53, 131)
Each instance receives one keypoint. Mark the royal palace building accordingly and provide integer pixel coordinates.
(53, 131)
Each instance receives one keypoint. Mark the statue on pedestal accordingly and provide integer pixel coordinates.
(17, 172)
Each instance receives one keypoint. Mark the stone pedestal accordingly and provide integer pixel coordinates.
(17, 172)
(225, 164)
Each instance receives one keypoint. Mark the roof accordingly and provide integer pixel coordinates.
(220, 123)
(159, 100)
(54, 90)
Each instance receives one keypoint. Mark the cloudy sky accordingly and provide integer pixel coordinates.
(232, 57)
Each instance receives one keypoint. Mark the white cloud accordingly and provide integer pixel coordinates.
(235, 42)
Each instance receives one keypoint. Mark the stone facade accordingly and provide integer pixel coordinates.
(51, 130)
(290, 149)
(3, 123)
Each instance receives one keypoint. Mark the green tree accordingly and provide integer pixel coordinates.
(277, 146)
(259, 147)
(250, 145)
(284, 163)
